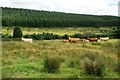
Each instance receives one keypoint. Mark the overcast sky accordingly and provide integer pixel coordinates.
(96, 7)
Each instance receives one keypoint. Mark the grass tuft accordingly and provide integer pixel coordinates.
(94, 68)
(52, 64)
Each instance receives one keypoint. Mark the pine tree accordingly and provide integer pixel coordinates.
(17, 32)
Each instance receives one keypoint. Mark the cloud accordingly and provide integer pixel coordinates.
(96, 7)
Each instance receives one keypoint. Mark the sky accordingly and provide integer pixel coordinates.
(94, 7)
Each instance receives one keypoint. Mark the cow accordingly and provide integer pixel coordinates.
(65, 41)
(104, 38)
(74, 40)
(92, 39)
(26, 40)
(82, 39)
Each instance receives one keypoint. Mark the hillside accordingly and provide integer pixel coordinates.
(35, 18)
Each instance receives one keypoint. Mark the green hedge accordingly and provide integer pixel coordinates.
(51, 36)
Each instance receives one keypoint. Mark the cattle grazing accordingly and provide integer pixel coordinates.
(82, 39)
(26, 40)
(74, 40)
(65, 41)
(92, 39)
(104, 38)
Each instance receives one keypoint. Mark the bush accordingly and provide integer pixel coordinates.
(6, 36)
(95, 68)
(17, 32)
(37, 36)
(95, 64)
(77, 36)
(90, 35)
(56, 37)
(44, 36)
(117, 33)
(65, 36)
(52, 64)
(27, 36)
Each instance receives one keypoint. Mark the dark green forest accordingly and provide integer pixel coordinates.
(35, 18)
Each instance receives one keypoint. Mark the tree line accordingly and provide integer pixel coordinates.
(36, 18)
(17, 34)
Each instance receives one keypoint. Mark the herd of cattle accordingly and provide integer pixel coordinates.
(73, 40)
(76, 40)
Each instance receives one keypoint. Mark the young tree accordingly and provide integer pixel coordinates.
(17, 32)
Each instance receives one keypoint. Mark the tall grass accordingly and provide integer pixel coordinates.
(67, 60)
(94, 67)
(52, 64)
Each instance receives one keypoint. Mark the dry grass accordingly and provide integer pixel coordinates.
(30, 57)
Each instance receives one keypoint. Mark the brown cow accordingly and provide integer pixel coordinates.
(65, 41)
(92, 39)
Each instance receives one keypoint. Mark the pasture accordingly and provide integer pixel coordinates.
(26, 60)
(61, 30)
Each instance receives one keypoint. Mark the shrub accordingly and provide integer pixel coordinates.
(56, 37)
(117, 33)
(95, 68)
(94, 64)
(52, 64)
(65, 36)
(44, 36)
(17, 32)
(6, 36)
(77, 36)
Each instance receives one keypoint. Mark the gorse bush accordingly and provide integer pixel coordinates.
(52, 64)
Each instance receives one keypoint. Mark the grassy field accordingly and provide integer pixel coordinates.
(60, 31)
(26, 60)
